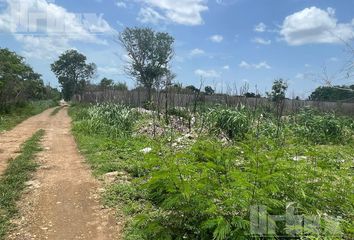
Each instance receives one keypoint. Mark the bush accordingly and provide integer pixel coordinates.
(235, 123)
(179, 112)
(109, 119)
(320, 129)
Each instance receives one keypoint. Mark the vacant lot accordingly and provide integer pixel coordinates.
(184, 175)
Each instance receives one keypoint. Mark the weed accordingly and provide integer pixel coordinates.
(233, 122)
(20, 113)
(205, 191)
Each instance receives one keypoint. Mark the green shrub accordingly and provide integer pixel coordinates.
(235, 123)
(320, 129)
(109, 119)
(179, 112)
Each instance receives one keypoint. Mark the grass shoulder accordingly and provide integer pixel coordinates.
(17, 114)
(12, 182)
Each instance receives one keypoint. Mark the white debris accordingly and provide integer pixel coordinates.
(299, 158)
(33, 184)
(146, 150)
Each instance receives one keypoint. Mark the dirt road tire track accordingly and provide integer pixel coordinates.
(10, 141)
(63, 203)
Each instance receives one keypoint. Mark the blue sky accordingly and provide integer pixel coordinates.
(228, 43)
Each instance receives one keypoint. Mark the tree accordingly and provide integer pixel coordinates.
(278, 91)
(335, 93)
(278, 95)
(18, 81)
(106, 83)
(252, 95)
(149, 52)
(73, 72)
(209, 90)
(192, 88)
(120, 86)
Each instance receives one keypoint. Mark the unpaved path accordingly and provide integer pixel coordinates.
(10, 141)
(62, 201)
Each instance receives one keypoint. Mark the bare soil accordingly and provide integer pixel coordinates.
(10, 141)
(62, 201)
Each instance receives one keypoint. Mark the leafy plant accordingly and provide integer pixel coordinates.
(109, 119)
(235, 123)
(206, 190)
(320, 129)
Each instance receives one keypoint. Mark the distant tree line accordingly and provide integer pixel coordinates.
(19, 83)
(150, 53)
(333, 93)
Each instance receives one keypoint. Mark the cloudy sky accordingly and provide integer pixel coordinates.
(226, 42)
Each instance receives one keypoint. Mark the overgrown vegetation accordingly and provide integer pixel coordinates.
(19, 83)
(20, 112)
(197, 185)
(234, 123)
(110, 119)
(12, 182)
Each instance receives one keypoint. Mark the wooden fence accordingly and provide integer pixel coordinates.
(138, 98)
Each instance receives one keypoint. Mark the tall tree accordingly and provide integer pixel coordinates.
(149, 53)
(106, 83)
(73, 72)
(209, 90)
(18, 81)
(333, 93)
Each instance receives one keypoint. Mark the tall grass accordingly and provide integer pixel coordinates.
(235, 123)
(17, 114)
(108, 119)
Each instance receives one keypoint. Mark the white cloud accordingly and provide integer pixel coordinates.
(261, 27)
(185, 12)
(333, 59)
(121, 4)
(244, 64)
(179, 59)
(44, 36)
(226, 67)
(109, 70)
(149, 15)
(216, 38)
(226, 2)
(206, 73)
(262, 41)
(197, 52)
(300, 76)
(260, 65)
(314, 25)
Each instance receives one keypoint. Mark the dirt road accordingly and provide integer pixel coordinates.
(62, 201)
(10, 141)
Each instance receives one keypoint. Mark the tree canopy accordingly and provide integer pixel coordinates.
(149, 52)
(335, 93)
(278, 92)
(209, 90)
(73, 72)
(18, 81)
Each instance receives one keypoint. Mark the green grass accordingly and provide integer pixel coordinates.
(18, 114)
(55, 111)
(12, 182)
